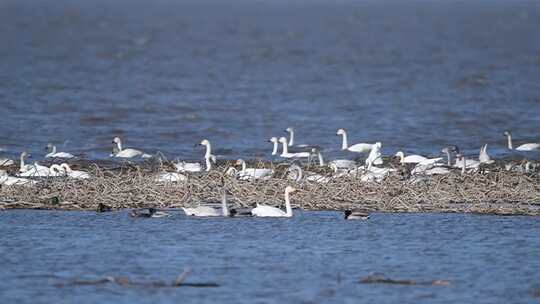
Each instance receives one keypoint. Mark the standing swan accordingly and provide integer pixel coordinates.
(127, 153)
(359, 148)
(51, 149)
(524, 147)
(267, 211)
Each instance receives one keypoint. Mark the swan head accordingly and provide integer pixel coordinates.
(239, 162)
(66, 167)
(401, 154)
(205, 142)
(507, 133)
(289, 129)
(283, 140)
(49, 147)
(273, 140)
(340, 131)
(116, 140)
(25, 154)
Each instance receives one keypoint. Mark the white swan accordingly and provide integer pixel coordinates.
(338, 163)
(416, 159)
(7, 180)
(523, 147)
(195, 167)
(253, 173)
(286, 154)
(51, 149)
(483, 157)
(171, 177)
(466, 163)
(24, 167)
(375, 156)
(4, 162)
(359, 148)
(429, 169)
(74, 173)
(127, 153)
(210, 211)
(296, 174)
(268, 211)
(38, 170)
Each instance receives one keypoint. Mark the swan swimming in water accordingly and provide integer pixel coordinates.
(205, 211)
(523, 147)
(74, 173)
(252, 173)
(51, 149)
(268, 211)
(127, 153)
(286, 154)
(359, 148)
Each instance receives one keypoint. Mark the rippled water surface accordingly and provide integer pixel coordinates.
(164, 74)
(315, 257)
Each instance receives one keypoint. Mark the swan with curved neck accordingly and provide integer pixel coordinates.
(523, 147)
(286, 154)
(268, 211)
(51, 149)
(127, 153)
(74, 173)
(358, 148)
(296, 174)
(24, 167)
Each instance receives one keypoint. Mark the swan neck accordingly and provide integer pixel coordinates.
(53, 150)
(274, 151)
(208, 163)
(449, 157)
(464, 165)
(119, 145)
(401, 158)
(285, 148)
(291, 139)
(300, 174)
(208, 150)
(288, 203)
(243, 167)
(321, 160)
(22, 161)
(344, 143)
(510, 141)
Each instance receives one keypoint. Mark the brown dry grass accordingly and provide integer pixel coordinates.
(133, 186)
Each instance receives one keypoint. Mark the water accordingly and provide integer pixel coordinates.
(312, 258)
(416, 75)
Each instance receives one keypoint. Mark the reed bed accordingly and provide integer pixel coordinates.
(129, 185)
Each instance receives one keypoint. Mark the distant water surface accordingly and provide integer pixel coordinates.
(315, 257)
(416, 75)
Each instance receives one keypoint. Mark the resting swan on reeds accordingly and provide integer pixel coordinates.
(38, 170)
(296, 174)
(286, 154)
(196, 167)
(204, 211)
(24, 167)
(358, 148)
(4, 162)
(127, 153)
(416, 159)
(268, 211)
(252, 173)
(483, 157)
(7, 180)
(74, 173)
(338, 163)
(51, 149)
(523, 147)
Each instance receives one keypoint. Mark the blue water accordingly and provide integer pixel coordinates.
(164, 74)
(315, 257)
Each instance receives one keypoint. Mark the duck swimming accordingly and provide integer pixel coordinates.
(148, 212)
(355, 215)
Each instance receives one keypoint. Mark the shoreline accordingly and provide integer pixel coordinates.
(490, 190)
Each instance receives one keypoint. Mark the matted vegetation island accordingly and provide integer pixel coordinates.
(492, 189)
